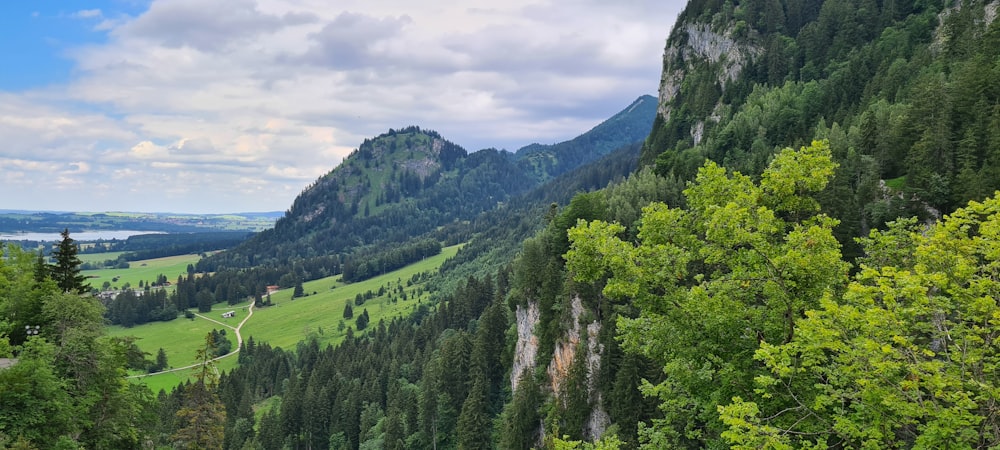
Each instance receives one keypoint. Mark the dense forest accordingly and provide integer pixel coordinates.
(802, 253)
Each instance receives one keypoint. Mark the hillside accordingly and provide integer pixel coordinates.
(630, 125)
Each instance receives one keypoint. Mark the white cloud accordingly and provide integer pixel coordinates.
(87, 14)
(214, 105)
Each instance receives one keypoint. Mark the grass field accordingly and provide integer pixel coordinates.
(145, 270)
(98, 257)
(288, 321)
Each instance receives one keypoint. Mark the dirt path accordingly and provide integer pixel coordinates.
(239, 343)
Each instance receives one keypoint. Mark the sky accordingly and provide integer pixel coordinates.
(217, 106)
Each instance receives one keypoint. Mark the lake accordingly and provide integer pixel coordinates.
(107, 235)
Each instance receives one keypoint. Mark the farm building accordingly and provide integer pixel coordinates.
(228, 314)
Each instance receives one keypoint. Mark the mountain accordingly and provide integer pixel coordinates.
(630, 125)
(411, 183)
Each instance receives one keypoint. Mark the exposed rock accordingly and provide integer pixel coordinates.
(720, 49)
(565, 349)
(526, 348)
(562, 360)
(599, 419)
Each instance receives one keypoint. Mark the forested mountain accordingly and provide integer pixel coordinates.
(907, 92)
(406, 183)
(630, 125)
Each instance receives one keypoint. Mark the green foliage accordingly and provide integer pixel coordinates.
(711, 282)
(202, 417)
(906, 355)
(912, 85)
(66, 389)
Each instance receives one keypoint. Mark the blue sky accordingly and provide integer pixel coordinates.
(38, 33)
(237, 105)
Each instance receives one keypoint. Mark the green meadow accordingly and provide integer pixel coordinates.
(288, 321)
(98, 257)
(145, 270)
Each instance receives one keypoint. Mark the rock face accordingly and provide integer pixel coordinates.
(526, 348)
(563, 357)
(696, 46)
(695, 43)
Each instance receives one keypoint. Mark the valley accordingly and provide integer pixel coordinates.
(796, 245)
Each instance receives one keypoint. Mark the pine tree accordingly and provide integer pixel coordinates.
(66, 271)
(203, 417)
(348, 311)
(41, 268)
(161, 360)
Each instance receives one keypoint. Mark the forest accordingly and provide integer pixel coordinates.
(802, 252)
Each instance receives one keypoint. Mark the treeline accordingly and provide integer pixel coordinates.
(366, 265)
(130, 308)
(149, 246)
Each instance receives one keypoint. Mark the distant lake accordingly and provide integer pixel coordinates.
(107, 235)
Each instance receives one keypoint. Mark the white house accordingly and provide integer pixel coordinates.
(228, 314)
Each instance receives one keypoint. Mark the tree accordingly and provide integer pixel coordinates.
(906, 356)
(202, 417)
(711, 282)
(161, 361)
(475, 423)
(348, 311)
(41, 267)
(362, 321)
(66, 271)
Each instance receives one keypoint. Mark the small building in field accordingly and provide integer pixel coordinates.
(228, 314)
(272, 289)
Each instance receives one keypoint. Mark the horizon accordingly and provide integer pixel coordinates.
(206, 106)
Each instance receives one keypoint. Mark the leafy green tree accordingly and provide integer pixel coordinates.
(66, 271)
(906, 356)
(35, 403)
(711, 282)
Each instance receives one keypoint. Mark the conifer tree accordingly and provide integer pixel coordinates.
(41, 268)
(161, 360)
(66, 271)
(202, 418)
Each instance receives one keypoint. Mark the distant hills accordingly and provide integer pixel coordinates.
(23, 221)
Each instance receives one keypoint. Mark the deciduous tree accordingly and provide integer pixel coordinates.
(736, 268)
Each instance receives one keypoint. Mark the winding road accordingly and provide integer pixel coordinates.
(239, 343)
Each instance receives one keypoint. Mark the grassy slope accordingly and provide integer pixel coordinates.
(284, 324)
(145, 270)
(291, 320)
(98, 257)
